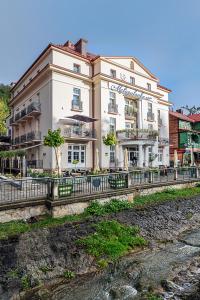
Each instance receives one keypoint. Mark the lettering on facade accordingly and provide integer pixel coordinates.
(128, 92)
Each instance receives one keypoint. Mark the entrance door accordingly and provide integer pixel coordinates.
(76, 156)
(133, 155)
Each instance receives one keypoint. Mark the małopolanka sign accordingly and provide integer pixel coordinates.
(128, 92)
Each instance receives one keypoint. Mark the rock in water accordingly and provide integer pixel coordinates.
(125, 292)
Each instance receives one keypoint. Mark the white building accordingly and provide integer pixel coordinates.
(87, 96)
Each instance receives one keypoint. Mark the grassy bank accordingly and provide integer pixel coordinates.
(96, 209)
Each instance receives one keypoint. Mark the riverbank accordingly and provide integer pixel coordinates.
(47, 263)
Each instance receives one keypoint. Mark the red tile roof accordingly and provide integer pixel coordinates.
(164, 88)
(181, 116)
(195, 117)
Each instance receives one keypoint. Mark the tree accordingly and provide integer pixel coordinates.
(192, 110)
(54, 139)
(4, 110)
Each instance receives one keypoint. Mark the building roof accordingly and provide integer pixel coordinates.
(164, 88)
(195, 117)
(181, 116)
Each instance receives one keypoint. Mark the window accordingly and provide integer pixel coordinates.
(112, 73)
(150, 108)
(150, 153)
(76, 95)
(160, 155)
(112, 124)
(150, 127)
(132, 80)
(112, 154)
(132, 65)
(112, 98)
(158, 114)
(77, 68)
(149, 86)
(129, 125)
(76, 152)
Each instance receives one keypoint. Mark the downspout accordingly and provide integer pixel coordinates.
(93, 112)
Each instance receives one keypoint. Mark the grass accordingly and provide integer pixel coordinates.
(96, 209)
(69, 274)
(112, 240)
(167, 195)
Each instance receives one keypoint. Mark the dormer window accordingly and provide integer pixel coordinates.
(149, 86)
(77, 68)
(113, 73)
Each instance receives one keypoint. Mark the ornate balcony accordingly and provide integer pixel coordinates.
(33, 136)
(163, 141)
(160, 122)
(150, 116)
(112, 108)
(137, 134)
(130, 113)
(77, 105)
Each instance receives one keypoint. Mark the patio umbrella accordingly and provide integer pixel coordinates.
(126, 159)
(23, 166)
(175, 159)
(96, 167)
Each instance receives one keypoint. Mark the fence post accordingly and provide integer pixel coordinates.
(175, 174)
(150, 177)
(54, 189)
(128, 179)
(197, 172)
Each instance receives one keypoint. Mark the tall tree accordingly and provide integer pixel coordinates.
(4, 109)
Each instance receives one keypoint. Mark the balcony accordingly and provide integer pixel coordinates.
(113, 108)
(77, 105)
(163, 141)
(130, 113)
(150, 116)
(137, 134)
(79, 132)
(32, 110)
(33, 136)
(160, 122)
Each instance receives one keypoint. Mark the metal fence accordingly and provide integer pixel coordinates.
(24, 189)
(29, 189)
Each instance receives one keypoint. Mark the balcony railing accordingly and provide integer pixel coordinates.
(33, 136)
(112, 108)
(137, 134)
(77, 105)
(150, 116)
(32, 109)
(79, 132)
(163, 141)
(130, 113)
(160, 122)
(23, 138)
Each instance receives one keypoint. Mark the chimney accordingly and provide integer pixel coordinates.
(81, 46)
(180, 111)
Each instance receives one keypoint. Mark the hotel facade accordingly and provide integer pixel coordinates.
(88, 96)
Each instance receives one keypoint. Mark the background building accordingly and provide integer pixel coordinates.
(184, 135)
(88, 96)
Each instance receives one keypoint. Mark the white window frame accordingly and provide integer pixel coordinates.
(76, 68)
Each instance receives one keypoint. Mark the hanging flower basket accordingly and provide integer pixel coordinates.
(110, 139)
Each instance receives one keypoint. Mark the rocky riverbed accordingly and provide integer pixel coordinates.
(32, 264)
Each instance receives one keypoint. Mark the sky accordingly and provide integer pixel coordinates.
(163, 35)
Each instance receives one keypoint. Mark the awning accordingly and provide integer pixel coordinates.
(82, 118)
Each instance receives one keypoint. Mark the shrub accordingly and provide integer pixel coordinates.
(69, 274)
(25, 282)
(112, 240)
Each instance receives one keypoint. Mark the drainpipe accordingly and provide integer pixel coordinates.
(93, 110)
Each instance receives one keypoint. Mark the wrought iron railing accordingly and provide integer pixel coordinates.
(112, 108)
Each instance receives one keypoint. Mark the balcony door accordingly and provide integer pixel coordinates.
(76, 156)
(133, 156)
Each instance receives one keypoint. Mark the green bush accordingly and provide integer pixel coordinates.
(69, 274)
(25, 282)
(112, 240)
(97, 209)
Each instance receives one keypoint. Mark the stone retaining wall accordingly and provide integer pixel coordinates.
(71, 206)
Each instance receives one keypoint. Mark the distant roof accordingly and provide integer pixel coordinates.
(195, 117)
(181, 116)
